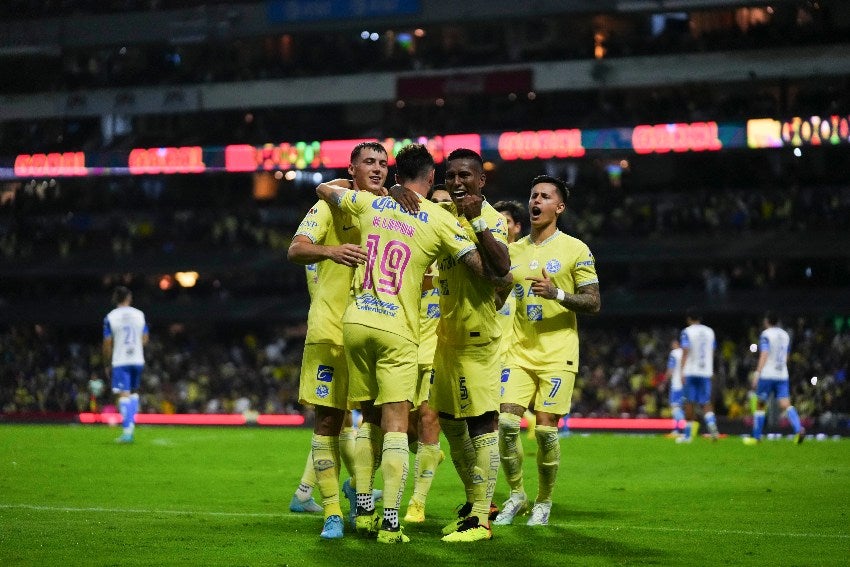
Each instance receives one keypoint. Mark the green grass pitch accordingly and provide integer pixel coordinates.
(219, 496)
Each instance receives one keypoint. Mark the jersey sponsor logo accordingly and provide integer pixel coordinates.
(309, 224)
(368, 302)
(553, 266)
(322, 391)
(433, 311)
(446, 263)
(325, 373)
(519, 291)
(388, 203)
(506, 373)
(534, 312)
(584, 263)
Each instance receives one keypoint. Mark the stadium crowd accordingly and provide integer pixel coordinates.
(621, 375)
(41, 220)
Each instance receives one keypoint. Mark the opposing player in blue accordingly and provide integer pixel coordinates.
(771, 377)
(673, 374)
(125, 334)
(698, 346)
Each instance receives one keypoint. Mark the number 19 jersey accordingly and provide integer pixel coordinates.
(400, 247)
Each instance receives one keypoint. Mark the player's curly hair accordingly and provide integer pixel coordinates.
(413, 161)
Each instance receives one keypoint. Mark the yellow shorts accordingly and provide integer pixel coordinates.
(324, 376)
(466, 379)
(423, 385)
(550, 390)
(382, 365)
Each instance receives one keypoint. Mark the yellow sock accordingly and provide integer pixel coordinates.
(548, 460)
(367, 451)
(510, 450)
(327, 472)
(346, 448)
(484, 474)
(395, 462)
(425, 466)
(461, 451)
(308, 477)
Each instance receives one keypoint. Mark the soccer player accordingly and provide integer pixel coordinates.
(465, 392)
(424, 419)
(556, 279)
(381, 323)
(698, 346)
(330, 238)
(771, 378)
(516, 217)
(125, 334)
(673, 375)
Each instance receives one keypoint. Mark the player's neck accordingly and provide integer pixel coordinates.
(538, 235)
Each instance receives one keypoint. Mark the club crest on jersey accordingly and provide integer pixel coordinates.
(322, 391)
(325, 373)
(553, 266)
(533, 265)
(433, 311)
(534, 312)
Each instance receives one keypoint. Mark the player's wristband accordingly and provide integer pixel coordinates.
(560, 296)
(478, 224)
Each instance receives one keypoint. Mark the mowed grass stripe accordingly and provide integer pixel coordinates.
(41, 508)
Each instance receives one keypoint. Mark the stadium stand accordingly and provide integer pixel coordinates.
(736, 230)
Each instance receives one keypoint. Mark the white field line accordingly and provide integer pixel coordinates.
(570, 525)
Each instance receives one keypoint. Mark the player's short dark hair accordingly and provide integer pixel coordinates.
(771, 317)
(434, 189)
(516, 209)
(377, 146)
(120, 294)
(413, 161)
(561, 185)
(466, 153)
(693, 313)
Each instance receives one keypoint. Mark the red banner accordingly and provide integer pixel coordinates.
(441, 86)
(49, 165)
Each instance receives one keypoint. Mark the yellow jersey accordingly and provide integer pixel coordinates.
(467, 302)
(400, 247)
(331, 282)
(546, 332)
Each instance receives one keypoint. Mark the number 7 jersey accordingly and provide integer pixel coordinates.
(400, 248)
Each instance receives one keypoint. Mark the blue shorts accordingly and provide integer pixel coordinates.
(126, 378)
(676, 397)
(697, 390)
(779, 389)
